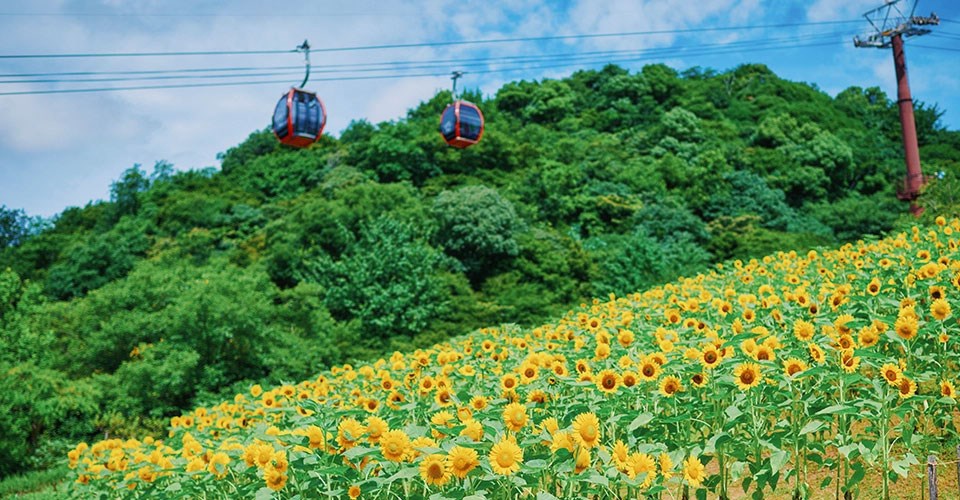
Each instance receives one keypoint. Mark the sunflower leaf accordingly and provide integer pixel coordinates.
(812, 426)
(841, 409)
(777, 460)
(732, 412)
(641, 420)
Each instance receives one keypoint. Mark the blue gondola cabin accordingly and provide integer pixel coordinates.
(461, 124)
(299, 118)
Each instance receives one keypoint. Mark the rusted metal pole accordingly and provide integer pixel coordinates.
(908, 126)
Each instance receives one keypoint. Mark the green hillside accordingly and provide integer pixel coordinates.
(187, 286)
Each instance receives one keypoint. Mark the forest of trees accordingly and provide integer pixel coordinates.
(189, 285)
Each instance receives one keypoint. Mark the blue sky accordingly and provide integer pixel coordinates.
(61, 150)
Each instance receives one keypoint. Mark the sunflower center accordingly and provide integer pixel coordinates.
(609, 383)
(589, 433)
(710, 356)
(747, 377)
(648, 371)
(505, 458)
(435, 471)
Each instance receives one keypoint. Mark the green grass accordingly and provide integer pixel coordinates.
(35, 485)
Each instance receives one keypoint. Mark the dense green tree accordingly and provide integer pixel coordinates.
(477, 226)
(389, 280)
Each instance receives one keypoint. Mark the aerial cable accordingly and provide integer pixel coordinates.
(507, 69)
(428, 44)
(407, 65)
(950, 49)
(147, 71)
(147, 78)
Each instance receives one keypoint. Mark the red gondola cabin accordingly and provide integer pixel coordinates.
(299, 118)
(461, 124)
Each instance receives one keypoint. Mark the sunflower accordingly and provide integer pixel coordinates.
(710, 357)
(848, 361)
(891, 373)
(417, 445)
(947, 390)
(629, 378)
(803, 330)
(395, 445)
(747, 375)
(906, 387)
(376, 426)
(442, 419)
(561, 440)
(873, 288)
(354, 491)
(427, 384)
(693, 471)
(529, 372)
(764, 353)
(659, 358)
(625, 338)
(582, 461)
(816, 353)
(219, 464)
(699, 379)
(537, 396)
(666, 466)
(868, 336)
(515, 416)
(473, 430)
(394, 400)
(506, 456)
(509, 382)
(940, 309)
(434, 469)
(670, 385)
(649, 369)
(462, 461)
(619, 453)
(642, 463)
(274, 479)
(608, 381)
(793, 366)
(602, 351)
(478, 402)
(349, 432)
(906, 326)
(586, 429)
(550, 424)
(444, 397)
(582, 366)
(749, 347)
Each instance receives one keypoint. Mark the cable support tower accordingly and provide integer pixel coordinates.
(892, 23)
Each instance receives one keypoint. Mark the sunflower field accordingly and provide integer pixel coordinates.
(799, 375)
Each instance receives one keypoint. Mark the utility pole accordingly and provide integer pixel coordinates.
(891, 24)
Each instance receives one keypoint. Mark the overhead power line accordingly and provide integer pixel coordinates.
(427, 44)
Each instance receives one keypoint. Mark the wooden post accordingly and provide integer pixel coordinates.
(932, 476)
(958, 467)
